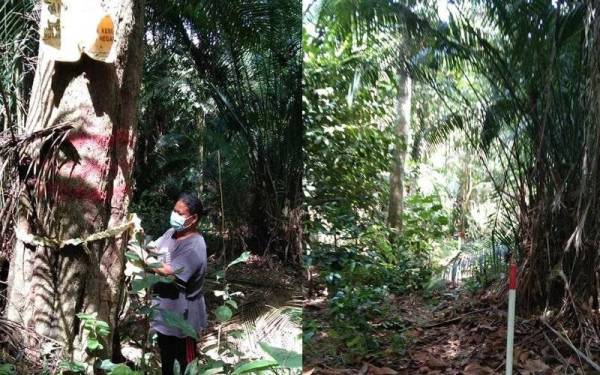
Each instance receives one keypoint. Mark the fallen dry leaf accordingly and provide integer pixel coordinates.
(435, 363)
(523, 356)
(364, 369)
(535, 366)
(487, 327)
(477, 369)
(420, 356)
(331, 371)
(374, 370)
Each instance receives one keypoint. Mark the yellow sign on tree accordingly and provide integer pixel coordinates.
(69, 28)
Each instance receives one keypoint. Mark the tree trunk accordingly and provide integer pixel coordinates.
(402, 128)
(89, 190)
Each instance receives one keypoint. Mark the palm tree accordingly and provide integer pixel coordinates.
(531, 117)
(248, 54)
(398, 29)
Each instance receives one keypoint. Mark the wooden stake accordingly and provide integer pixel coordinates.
(510, 331)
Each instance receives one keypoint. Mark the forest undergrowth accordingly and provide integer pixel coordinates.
(450, 331)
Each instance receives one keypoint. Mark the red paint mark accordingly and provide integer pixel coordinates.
(100, 141)
(87, 169)
(81, 180)
(66, 192)
(120, 192)
(512, 276)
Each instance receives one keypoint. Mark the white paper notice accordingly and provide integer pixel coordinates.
(69, 28)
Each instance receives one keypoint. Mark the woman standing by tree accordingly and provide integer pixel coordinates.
(183, 255)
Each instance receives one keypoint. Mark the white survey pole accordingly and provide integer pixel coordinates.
(510, 330)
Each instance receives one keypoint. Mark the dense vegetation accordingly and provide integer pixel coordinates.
(485, 111)
(219, 114)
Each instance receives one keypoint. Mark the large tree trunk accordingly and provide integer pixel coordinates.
(90, 190)
(402, 128)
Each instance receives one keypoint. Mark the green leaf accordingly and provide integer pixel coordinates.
(223, 313)
(177, 321)
(236, 334)
(176, 368)
(132, 256)
(192, 368)
(442, 220)
(93, 344)
(102, 328)
(232, 303)
(86, 317)
(242, 258)
(7, 369)
(284, 358)
(122, 369)
(107, 365)
(262, 364)
(213, 367)
(148, 281)
(73, 366)
(214, 370)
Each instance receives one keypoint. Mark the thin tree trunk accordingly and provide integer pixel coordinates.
(89, 192)
(402, 128)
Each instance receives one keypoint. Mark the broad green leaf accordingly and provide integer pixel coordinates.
(176, 321)
(262, 364)
(242, 258)
(73, 366)
(132, 256)
(122, 369)
(212, 371)
(284, 358)
(192, 368)
(147, 282)
(107, 365)
(232, 303)
(93, 344)
(213, 367)
(223, 313)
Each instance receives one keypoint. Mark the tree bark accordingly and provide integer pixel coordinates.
(88, 190)
(402, 128)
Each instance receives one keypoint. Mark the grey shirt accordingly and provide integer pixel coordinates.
(185, 297)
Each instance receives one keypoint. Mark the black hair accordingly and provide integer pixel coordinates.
(193, 203)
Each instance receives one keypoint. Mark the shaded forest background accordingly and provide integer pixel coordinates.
(219, 115)
(443, 140)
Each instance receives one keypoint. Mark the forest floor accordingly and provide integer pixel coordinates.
(454, 332)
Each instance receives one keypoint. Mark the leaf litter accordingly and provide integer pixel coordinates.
(449, 334)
